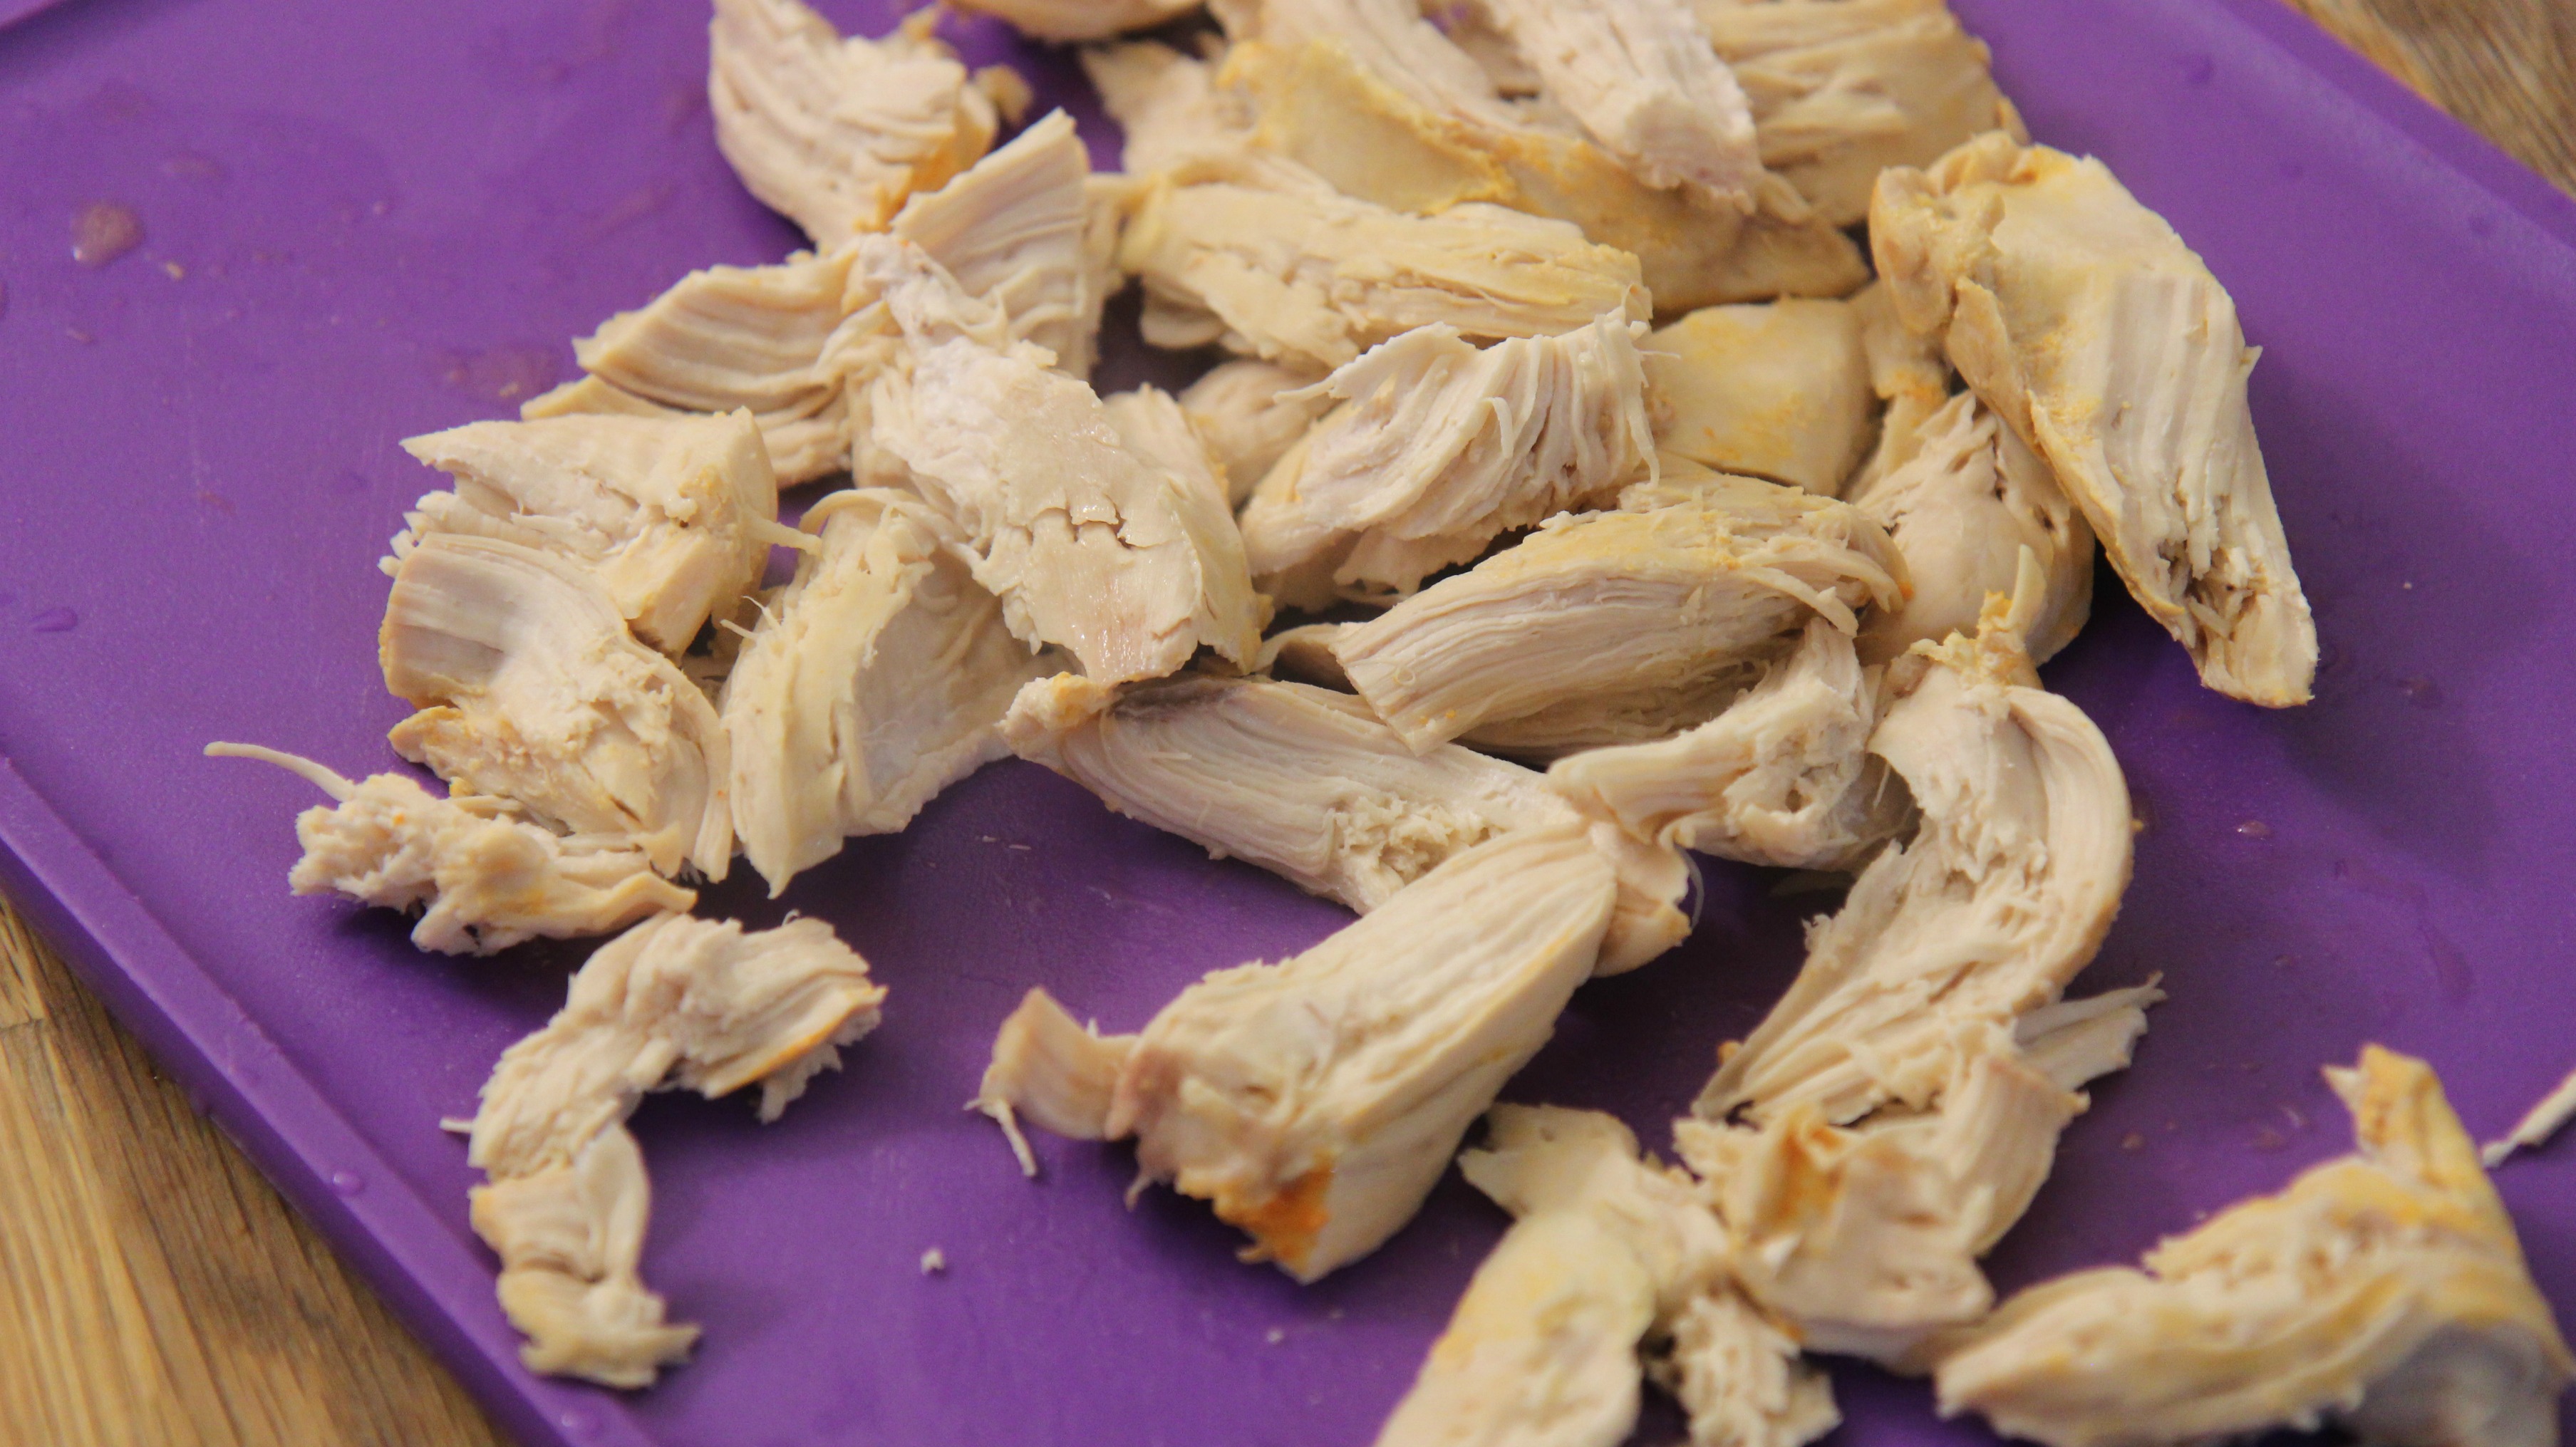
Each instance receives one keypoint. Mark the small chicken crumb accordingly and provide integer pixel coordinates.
(933, 1261)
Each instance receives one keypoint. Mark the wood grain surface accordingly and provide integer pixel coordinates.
(156, 1292)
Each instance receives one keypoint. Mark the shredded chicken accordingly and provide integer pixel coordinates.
(1439, 447)
(1015, 229)
(483, 879)
(2546, 1118)
(1155, 428)
(834, 133)
(2097, 335)
(1168, 104)
(1842, 89)
(530, 689)
(872, 682)
(1251, 412)
(1642, 79)
(1619, 602)
(2384, 1291)
(1316, 1102)
(674, 516)
(674, 1002)
(1908, 373)
(1777, 390)
(1070, 20)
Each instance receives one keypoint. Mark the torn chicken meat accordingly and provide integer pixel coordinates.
(482, 878)
(1064, 21)
(1168, 104)
(530, 688)
(673, 515)
(1642, 79)
(1317, 1101)
(1777, 390)
(674, 1002)
(1620, 603)
(1438, 448)
(1251, 412)
(873, 681)
(834, 133)
(1015, 230)
(2546, 1118)
(2097, 335)
(1908, 373)
(1155, 428)
(2385, 1291)
(1842, 89)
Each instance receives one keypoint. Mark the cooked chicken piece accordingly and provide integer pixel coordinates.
(673, 516)
(2002, 895)
(1739, 1376)
(2085, 323)
(675, 1002)
(835, 133)
(1907, 372)
(1168, 104)
(1616, 717)
(1842, 89)
(1304, 654)
(1070, 20)
(873, 681)
(1251, 412)
(1777, 390)
(2546, 1118)
(1962, 510)
(1309, 785)
(2384, 1291)
(1155, 428)
(1317, 1101)
(483, 879)
(724, 338)
(1015, 229)
(1783, 777)
(1641, 78)
(1089, 545)
(530, 689)
(1290, 270)
(1438, 448)
(1619, 603)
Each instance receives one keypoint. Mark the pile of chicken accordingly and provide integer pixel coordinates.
(1767, 582)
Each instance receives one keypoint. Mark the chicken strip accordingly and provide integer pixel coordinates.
(1251, 412)
(1071, 20)
(1438, 448)
(1963, 509)
(530, 689)
(875, 680)
(483, 879)
(1777, 390)
(1014, 229)
(1642, 79)
(834, 133)
(2088, 326)
(1309, 785)
(674, 516)
(1619, 602)
(1842, 89)
(2385, 1291)
(675, 1002)
(1317, 1101)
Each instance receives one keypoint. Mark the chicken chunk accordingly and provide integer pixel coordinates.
(834, 133)
(674, 516)
(1962, 510)
(1317, 1101)
(875, 680)
(1155, 428)
(530, 689)
(1168, 104)
(1906, 370)
(1619, 602)
(1642, 79)
(1777, 390)
(1014, 228)
(1251, 412)
(2385, 1291)
(673, 1002)
(1842, 89)
(1783, 777)
(1439, 447)
(1309, 785)
(2097, 335)
(483, 879)
(1071, 20)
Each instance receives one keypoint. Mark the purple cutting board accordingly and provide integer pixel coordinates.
(364, 222)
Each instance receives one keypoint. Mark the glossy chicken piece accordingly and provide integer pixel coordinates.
(1439, 447)
(678, 1003)
(1642, 79)
(530, 689)
(1619, 603)
(1315, 1102)
(1071, 20)
(1777, 390)
(482, 878)
(2097, 335)
(1014, 229)
(1251, 412)
(873, 681)
(1962, 509)
(1842, 89)
(673, 516)
(2384, 1291)
(834, 133)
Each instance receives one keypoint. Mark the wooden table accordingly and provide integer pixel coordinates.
(154, 1290)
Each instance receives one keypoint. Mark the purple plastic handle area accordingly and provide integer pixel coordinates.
(365, 222)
